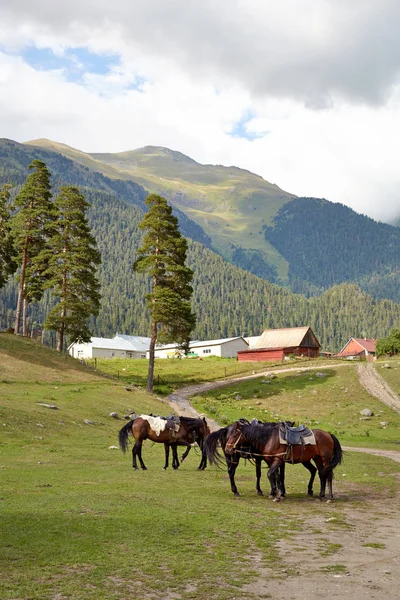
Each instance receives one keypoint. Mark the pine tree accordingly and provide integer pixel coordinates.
(7, 262)
(30, 228)
(72, 262)
(162, 256)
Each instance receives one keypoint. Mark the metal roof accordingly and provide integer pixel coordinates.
(131, 343)
(367, 344)
(195, 344)
(281, 338)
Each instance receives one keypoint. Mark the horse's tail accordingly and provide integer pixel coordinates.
(337, 455)
(211, 444)
(123, 436)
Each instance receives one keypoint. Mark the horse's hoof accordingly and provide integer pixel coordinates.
(329, 500)
(144, 468)
(311, 494)
(260, 493)
(236, 494)
(276, 500)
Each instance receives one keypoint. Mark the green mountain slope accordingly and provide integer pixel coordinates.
(230, 204)
(327, 243)
(227, 300)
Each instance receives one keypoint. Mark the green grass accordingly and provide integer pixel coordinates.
(173, 373)
(77, 521)
(390, 375)
(332, 403)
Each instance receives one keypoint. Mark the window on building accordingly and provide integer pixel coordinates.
(206, 351)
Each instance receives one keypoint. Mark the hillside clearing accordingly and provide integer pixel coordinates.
(78, 523)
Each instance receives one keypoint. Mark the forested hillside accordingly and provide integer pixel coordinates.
(327, 243)
(227, 300)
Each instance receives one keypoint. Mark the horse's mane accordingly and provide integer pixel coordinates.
(259, 432)
(191, 421)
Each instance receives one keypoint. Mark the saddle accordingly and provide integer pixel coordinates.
(173, 424)
(295, 435)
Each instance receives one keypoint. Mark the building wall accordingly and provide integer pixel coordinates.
(353, 348)
(261, 355)
(277, 354)
(81, 351)
(231, 349)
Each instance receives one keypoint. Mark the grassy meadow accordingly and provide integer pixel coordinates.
(332, 402)
(173, 373)
(78, 523)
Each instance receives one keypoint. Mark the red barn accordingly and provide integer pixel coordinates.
(274, 344)
(358, 348)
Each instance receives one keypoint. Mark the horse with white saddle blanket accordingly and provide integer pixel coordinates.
(171, 431)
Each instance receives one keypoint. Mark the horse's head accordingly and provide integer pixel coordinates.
(234, 437)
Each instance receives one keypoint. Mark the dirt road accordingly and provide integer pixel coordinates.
(349, 549)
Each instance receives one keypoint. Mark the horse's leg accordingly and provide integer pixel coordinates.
(273, 471)
(281, 479)
(231, 472)
(322, 476)
(203, 462)
(258, 475)
(175, 459)
(308, 465)
(166, 448)
(184, 455)
(329, 480)
(136, 452)
(139, 455)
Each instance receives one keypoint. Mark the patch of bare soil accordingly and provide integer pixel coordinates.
(352, 552)
(355, 556)
(377, 386)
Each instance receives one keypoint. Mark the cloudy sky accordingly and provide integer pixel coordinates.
(305, 93)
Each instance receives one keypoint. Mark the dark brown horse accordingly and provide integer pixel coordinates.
(189, 431)
(250, 452)
(326, 452)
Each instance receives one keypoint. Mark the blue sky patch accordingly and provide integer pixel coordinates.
(239, 129)
(74, 62)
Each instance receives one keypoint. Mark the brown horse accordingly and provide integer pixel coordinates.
(326, 452)
(190, 431)
(251, 453)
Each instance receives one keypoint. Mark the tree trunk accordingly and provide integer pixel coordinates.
(63, 314)
(21, 289)
(60, 343)
(24, 311)
(150, 375)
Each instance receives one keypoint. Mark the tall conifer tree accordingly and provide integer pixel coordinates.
(7, 252)
(72, 262)
(31, 230)
(162, 256)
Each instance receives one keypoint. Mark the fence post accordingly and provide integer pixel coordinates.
(95, 362)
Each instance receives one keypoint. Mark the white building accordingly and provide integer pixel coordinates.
(226, 348)
(120, 346)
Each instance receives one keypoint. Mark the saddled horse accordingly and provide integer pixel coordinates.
(250, 452)
(326, 452)
(189, 431)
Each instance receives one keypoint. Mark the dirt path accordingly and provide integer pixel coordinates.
(350, 548)
(377, 386)
(365, 556)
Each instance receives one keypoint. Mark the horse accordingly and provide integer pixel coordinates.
(246, 451)
(190, 430)
(326, 452)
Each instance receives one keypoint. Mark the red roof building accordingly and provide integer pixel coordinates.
(275, 344)
(358, 347)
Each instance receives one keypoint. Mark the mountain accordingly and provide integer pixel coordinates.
(227, 300)
(229, 204)
(307, 244)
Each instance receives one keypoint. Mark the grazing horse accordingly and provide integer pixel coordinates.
(326, 452)
(244, 450)
(190, 431)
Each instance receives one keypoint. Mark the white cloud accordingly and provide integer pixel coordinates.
(321, 77)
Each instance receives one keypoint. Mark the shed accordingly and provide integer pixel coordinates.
(358, 348)
(120, 346)
(226, 348)
(277, 344)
